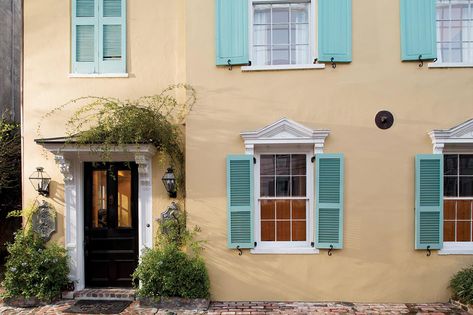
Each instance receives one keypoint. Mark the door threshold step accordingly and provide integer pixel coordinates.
(119, 294)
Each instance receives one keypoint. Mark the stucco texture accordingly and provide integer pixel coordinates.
(378, 262)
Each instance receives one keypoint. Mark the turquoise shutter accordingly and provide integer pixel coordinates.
(429, 201)
(418, 33)
(329, 200)
(231, 32)
(84, 36)
(112, 41)
(335, 30)
(240, 201)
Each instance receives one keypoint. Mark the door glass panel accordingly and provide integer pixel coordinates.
(99, 199)
(124, 198)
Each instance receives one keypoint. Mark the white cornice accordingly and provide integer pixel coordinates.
(285, 131)
(458, 135)
(61, 148)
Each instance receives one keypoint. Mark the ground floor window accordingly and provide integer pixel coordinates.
(283, 199)
(458, 198)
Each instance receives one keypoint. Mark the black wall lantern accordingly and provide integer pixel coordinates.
(169, 181)
(40, 181)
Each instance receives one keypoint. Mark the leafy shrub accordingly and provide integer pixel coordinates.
(170, 272)
(462, 285)
(174, 267)
(34, 269)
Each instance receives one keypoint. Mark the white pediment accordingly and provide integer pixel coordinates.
(285, 131)
(461, 134)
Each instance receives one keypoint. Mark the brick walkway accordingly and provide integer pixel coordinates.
(268, 308)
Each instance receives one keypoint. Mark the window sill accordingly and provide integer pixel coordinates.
(283, 67)
(285, 250)
(449, 65)
(461, 248)
(98, 75)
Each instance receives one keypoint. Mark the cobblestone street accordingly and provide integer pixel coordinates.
(267, 308)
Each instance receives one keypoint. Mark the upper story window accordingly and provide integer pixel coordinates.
(455, 31)
(281, 32)
(458, 197)
(98, 36)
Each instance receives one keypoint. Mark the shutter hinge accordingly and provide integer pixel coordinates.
(230, 66)
(256, 244)
(312, 159)
(334, 64)
(316, 60)
(254, 160)
(312, 244)
(249, 63)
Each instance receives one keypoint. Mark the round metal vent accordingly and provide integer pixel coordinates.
(384, 119)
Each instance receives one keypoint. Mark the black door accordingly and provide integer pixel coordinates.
(110, 223)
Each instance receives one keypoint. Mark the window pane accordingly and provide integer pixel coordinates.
(124, 199)
(450, 165)
(449, 209)
(283, 163)
(267, 187)
(463, 231)
(466, 164)
(466, 186)
(298, 209)
(280, 13)
(262, 55)
(299, 186)
(300, 54)
(299, 231)
(268, 231)
(463, 209)
(262, 35)
(282, 186)
(283, 210)
(262, 14)
(300, 34)
(99, 199)
(298, 164)
(283, 231)
(280, 55)
(268, 209)
(281, 34)
(449, 231)
(267, 165)
(299, 13)
(112, 42)
(450, 186)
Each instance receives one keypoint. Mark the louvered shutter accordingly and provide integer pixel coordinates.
(335, 30)
(240, 201)
(329, 200)
(112, 41)
(429, 201)
(418, 31)
(84, 36)
(231, 32)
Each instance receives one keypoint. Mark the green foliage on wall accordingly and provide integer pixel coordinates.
(462, 285)
(10, 166)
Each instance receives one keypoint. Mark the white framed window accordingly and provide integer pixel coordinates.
(282, 34)
(455, 32)
(284, 199)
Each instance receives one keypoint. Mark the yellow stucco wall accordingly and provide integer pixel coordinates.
(173, 41)
(378, 262)
(155, 50)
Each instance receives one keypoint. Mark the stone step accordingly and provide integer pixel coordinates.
(123, 294)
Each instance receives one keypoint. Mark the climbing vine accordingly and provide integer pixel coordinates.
(107, 123)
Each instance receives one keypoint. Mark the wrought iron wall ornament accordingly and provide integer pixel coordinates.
(384, 119)
(171, 213)
(44, 220)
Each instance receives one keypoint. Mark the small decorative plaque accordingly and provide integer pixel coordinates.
(44, 220)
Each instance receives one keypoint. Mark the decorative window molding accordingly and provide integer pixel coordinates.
(285, 132)
(455, 139)
(286, 137)
(70, 158)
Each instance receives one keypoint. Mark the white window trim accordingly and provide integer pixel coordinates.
(436, 65)
(286, 136)
(98, 75)
(312, 40)
(456, 140)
